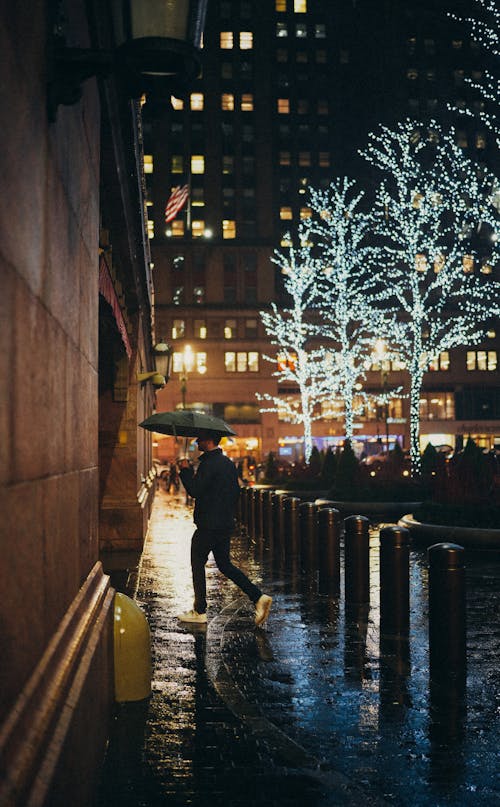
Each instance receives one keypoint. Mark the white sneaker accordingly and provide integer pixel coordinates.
(193, 616)
(262, 608)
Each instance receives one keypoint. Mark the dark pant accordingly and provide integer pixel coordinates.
(218, 542)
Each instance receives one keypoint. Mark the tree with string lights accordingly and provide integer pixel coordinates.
(485, 30)
(293, 330)
(349, 290)
(436, 223)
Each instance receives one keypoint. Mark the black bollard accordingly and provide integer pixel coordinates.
(259, 515)
(447, 617)
(357, 559)
(394, 581)
(291, 506)
(278, 518)
(329, 551)
(308, 534)
(267, 523)
(252, 494)
(244, 508)
(321, 503)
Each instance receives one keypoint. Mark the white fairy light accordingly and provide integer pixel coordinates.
(438, 310)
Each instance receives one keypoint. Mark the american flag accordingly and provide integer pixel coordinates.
(177, 200)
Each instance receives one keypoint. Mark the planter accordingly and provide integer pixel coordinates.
(468, 537)
(392, 510)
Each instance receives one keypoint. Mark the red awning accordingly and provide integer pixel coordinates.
(107, 289)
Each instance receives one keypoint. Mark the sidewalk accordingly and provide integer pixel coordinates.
(306, 711)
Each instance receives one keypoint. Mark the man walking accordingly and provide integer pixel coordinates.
(215, 490)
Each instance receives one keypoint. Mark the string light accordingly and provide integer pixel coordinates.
(437, 310)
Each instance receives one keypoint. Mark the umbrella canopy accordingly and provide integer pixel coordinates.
(185, 423)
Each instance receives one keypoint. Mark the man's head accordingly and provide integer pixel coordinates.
(208, 440)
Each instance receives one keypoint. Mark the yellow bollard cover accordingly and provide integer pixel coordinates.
(132, 651)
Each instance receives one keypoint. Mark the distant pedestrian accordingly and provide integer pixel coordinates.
(215, 490)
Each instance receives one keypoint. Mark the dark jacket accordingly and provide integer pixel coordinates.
(215, 490)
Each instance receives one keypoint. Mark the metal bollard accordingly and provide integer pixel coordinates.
(447, 616)
(244, 508)
(252, 508)
(308, 534)
(394, 581)
(259, 515)
(357, 559)
(291, 506)
(267, 523)
(278, 514)
(328, 519)
(321, 503)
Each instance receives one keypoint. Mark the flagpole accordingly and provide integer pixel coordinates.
(188, 212)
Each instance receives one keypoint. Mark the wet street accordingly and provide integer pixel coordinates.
(317, 708)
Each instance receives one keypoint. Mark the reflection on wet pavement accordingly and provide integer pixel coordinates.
(319, 707)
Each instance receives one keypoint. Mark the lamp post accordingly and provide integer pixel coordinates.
(162, 353)
(380, 355)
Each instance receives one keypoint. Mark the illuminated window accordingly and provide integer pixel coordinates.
(286, 213)
(468, 264)
(177, 227)
(197, 197)
(480, 140)
(148, 163)
(322, 107)
(441, 362)
(198, 228)
(247, 102)
(286, 241)
(420, 262)
(300, 30)
(286, 361)
(482, 360)
(437, 406)
(304, 158)
(324, 159)
(177, 164)
(283, 106)
(227, 164)
(462, 140)
(486, 269)
(241, 362)
(281, 29)
(320, 31)
(228, 228)
(151, 229)
(412, 73)
(280, 5)
(200, 328)
(300, 6)
(439, 262)
(201, 363)
(285, 158)
(230, 329)
(246, 40)
(305, 212)
(197, 100)
(177, 103)
(197, 164)
(303, 106)
(227, 101)
(226, 40)
(178, 329)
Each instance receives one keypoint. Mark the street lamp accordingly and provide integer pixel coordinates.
(156, 48)
(162, 353)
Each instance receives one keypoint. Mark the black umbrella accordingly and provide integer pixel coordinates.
(185, 423)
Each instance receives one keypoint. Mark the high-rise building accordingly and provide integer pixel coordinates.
(289, 91)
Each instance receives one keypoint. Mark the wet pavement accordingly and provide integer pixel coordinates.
(316, 708)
